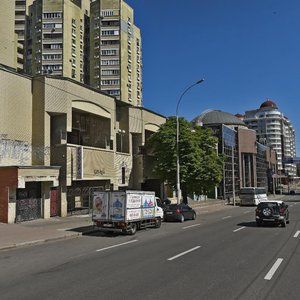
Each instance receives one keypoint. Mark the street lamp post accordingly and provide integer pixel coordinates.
(177, 141)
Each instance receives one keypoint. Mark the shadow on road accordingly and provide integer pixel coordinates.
(247, 224)
(253, 224)
(93, 232)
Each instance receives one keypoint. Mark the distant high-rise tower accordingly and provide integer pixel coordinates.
(275, 130)
(116, 51)
(8, 37)
(56, 38)
(20, 26)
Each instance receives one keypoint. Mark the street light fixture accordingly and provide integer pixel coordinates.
(121, 132)
(177, 141)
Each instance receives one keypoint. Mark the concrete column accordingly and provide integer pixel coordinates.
(63, 203)
(46, 199)
(12, 196)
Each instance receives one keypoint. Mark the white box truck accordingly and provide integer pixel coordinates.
(126, 211)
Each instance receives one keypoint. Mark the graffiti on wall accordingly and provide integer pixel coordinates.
(19, 152)
(14, 150)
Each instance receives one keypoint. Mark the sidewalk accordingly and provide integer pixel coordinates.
(57, 228)
(43, 230)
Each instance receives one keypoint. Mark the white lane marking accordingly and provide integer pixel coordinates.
(190, 226)
(291, 205)
(226, 217)
(297, 233)
(246, 212)
(239, 229)
(183, 253)
(118, 245)
(273, 269)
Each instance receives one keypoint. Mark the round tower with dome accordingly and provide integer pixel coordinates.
(274, 129)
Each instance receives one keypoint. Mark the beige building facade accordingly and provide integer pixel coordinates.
(64, 140)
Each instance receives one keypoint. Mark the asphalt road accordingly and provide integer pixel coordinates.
(221, 254)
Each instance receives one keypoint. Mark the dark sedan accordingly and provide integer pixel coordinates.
(179, 212)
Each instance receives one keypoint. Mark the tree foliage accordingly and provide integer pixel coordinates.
(201, 167)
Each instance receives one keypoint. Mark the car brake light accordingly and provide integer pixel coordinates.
(177, 211)
(281, 211)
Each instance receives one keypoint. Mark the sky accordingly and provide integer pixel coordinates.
(247, 51)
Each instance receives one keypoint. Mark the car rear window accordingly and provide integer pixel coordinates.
(174, 207)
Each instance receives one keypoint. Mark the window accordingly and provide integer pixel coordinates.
(110, 82)
(52, 46)
(52, 25)
(112, 72)
(110, 23)
(53, 36)
(110, 42)
(107, 13)
(123, 175)
(109, 52)
(52, 56)
(89, 130)
(113, 92)
(52, 15)
(108, 62)
(110, 32)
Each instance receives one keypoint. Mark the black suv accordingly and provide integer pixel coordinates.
(272, 212)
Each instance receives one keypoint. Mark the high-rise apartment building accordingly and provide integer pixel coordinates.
(274, 129)
(20, 25)
(92, 41)
(56, 38)
(8, 38)
(115, 51)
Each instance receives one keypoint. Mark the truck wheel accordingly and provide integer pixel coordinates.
(133, 229)
(158, 223)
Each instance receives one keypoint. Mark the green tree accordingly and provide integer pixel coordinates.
(200, 166)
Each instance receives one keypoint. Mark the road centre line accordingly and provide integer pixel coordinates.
(296, 234)
(239, 229)
(273, 269)
(118, 245)
(183, 253)
(191, 226)
(226, 217)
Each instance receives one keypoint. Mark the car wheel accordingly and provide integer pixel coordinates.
(283, 223)
(181, 218)
(194, 216)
